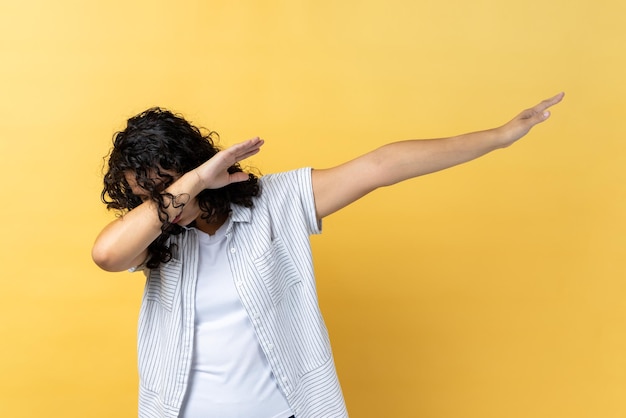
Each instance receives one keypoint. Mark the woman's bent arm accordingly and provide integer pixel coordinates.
(123, 243)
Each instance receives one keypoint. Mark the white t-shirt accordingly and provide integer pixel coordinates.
(230, 376)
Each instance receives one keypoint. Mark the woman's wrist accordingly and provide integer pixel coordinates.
(178, 195)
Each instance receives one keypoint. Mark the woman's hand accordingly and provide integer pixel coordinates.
(522, 123)
(214, 174)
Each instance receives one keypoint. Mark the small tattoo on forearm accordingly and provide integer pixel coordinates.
(179, 201)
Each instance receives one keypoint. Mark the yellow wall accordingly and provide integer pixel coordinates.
(495, 289)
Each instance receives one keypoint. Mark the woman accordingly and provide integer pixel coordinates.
(229, 323)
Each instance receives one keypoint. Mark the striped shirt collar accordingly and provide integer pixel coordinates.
(241, 213)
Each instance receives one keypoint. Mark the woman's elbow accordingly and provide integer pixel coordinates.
(105, 259)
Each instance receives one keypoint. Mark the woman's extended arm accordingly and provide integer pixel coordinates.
(123, 243)
(339, 186)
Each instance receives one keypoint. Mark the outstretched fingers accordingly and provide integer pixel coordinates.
(542, 108)
(239, 152)
(552, 100)
(245, 149)
(250, 148)
(540, 112)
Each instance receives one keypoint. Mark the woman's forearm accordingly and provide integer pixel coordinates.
(403, 160)
(123, 243)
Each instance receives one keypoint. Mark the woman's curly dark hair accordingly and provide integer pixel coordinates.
(158, 141)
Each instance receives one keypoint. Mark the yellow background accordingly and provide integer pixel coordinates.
(494, 289)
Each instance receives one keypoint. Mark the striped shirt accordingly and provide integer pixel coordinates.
(270, 257)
